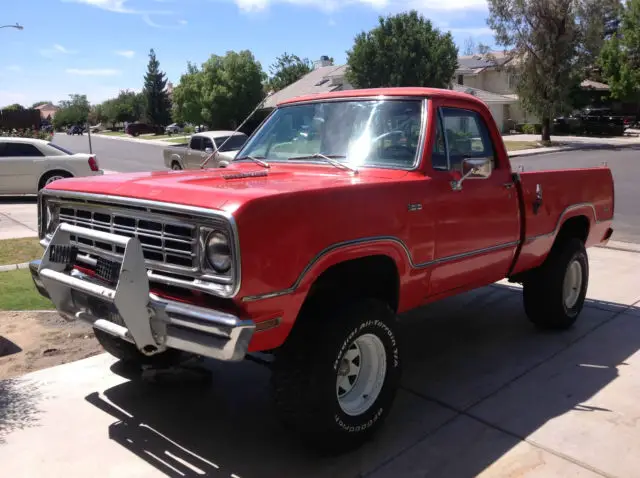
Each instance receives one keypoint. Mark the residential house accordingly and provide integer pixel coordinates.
(47, 110)
(492, 73)
(324, 77)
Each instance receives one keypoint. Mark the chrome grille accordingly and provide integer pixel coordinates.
(163, 240)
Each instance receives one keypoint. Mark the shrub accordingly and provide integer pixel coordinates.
(25, 133)
(189, 130)
(531, 128)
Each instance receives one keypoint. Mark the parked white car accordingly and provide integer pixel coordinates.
(27, 165)
(193, 152)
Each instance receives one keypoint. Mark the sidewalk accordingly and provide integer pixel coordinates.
(161, 142)
(571, 143)
(483, 394)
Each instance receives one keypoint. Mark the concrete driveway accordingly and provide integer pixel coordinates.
(483, 394)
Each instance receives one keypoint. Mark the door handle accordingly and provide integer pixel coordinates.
(508, 185)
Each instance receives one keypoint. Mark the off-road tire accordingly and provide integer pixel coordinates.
(543, 290)
(305, 372)
(131, 356)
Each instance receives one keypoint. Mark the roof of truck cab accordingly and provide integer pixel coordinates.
(373, 92)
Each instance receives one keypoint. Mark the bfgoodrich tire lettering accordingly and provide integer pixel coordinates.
(305, 374)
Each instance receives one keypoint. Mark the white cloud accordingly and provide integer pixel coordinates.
(119, 6)
(14, 68)
(125, 53)
(183, 22)
(56, 49)
(93, 72)
(380, 5)
(109, 5)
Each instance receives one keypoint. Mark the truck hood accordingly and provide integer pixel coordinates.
(221, 188)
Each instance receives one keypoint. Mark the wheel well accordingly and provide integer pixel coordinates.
(48, 174)
(371, 276)
(577, 227)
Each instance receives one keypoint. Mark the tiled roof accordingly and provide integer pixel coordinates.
(471, 64)
(483, 95)
(313, 82)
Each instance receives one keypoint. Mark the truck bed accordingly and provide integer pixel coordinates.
(586, 196)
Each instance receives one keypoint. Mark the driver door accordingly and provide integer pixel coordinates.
(477, 227)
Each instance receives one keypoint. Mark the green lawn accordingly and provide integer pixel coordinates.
(17, 251)
(520, 145)
(177, 140)
(112, 133)
(20, 293)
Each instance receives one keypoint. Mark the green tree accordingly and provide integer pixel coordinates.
(14, 107)
(287, 69)
(222, 92)
(75, 110)
(599, 22)
(403, 50)
(40, 103)
(543, 38)
(157, 103)
(187, 99)
(620, 56)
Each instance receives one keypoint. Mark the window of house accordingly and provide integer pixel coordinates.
(460, 79)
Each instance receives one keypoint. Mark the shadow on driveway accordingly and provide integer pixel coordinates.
(460, 352)
(24, 199)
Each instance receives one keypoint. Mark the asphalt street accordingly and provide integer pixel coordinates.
(127, 156)
(625, 167)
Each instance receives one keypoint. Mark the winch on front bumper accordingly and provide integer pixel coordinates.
(128, 310)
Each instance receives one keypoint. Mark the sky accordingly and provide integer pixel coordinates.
(98, 47)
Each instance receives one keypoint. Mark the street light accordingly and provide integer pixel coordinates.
(16, 26)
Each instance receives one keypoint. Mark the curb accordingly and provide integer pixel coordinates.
(14, 267)
(562, 149)
(621, 246)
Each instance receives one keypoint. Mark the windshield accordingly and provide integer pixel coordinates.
(235, 142)
(378, 133)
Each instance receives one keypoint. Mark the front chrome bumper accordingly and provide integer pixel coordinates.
(129, 311)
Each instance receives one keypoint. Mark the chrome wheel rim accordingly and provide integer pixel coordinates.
(361, 374)
(572, 284)
(176, 167)
(52, 179)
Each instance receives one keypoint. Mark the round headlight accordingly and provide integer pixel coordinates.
(218, 252)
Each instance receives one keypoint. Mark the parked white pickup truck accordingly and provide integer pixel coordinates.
(191, 154)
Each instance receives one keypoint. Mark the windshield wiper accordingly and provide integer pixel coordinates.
(331, 159)
(257, 160)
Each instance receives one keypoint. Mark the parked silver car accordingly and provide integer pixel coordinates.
(192, 153)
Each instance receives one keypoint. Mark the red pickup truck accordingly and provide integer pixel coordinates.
(340, 212)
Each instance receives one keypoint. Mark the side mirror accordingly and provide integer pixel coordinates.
(208, 150)
(223, 164)
(473, 168)
(477, 168)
